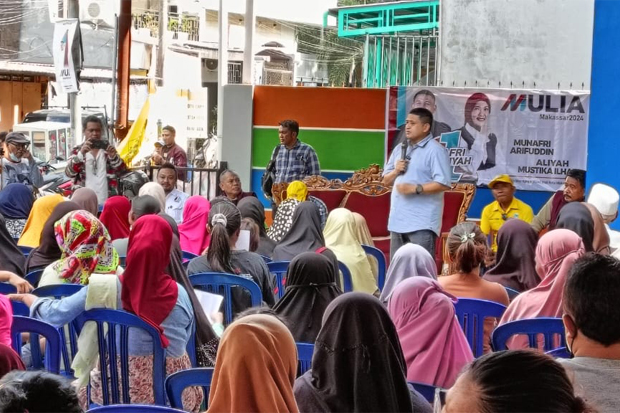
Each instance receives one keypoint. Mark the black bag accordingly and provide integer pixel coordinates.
(269, 176)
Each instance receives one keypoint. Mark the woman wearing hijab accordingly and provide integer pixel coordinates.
(515, 263)
(358, 364)
(15, 205)
(600, 241)
(86, 198)
(556, 252)
(251, 207)
(156, 191)
(410, 260)
(576, 217)
(256, 367)
(9, 360)
(146, 291)
(310, 287)
(48, 250)
(427, 326)
(299, 191)
(85, 248)
(365, 238)
(304, 234)
(40, 212)
(206, 338)
(193, 233)
(340, 237)
(11, 257)
(284, 215)
(115, 216)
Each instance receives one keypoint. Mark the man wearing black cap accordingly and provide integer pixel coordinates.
(18, 165)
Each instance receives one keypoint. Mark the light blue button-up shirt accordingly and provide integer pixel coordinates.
(428, 162)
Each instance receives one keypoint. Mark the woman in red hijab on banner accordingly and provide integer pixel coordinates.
(115, 216)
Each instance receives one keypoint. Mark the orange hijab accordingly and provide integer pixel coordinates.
(255, 367)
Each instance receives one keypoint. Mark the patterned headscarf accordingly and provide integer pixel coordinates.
(86, 248)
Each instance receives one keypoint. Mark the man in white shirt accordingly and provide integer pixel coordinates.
(95, 164)
(175, 199)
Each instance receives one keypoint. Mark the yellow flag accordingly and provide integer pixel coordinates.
(130, 146)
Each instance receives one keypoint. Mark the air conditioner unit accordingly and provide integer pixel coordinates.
(99, 12)
(211, 64)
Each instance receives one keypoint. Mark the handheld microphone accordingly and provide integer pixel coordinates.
(403, 153)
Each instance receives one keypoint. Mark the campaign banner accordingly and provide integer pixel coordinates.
(534, 136)
(67, 54)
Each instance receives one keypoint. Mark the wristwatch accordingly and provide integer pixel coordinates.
(419, 189)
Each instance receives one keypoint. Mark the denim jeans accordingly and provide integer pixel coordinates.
(425, 238)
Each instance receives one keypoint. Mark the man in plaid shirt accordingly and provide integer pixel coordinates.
(296, 159)
(93, 166)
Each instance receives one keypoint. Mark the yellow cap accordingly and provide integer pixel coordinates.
(501, 178)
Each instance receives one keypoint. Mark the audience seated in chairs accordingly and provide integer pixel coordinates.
(48, 250)
(85, 249)
(592, 322)
(283, 220)
(432, 340)
(115, 217)
(156, 191)
(140, 206)
(255, 368)
(249, 225)
(194, 236)
(146, 291)
(556, 253)
(358, 364)
(206, 338)
(467, 247)
(15, 205)
(40, 212)
(11, 257)
(310, 287)
(86, 199)
(577, 217)
(515, 264)
(304, 235)
(37, 391)
(410, 260)
(253, 209)
(224, 223)
(514, 381)
(340, 237)
(363, 236)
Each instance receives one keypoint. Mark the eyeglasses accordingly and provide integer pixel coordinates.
(21, 146)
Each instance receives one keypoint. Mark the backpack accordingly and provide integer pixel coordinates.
(269, 176)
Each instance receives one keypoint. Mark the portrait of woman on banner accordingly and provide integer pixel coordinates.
(476, 138)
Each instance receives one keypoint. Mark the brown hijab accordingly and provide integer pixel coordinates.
(255, 368)
(600, 243)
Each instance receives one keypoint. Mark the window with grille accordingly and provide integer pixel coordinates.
(235, 72)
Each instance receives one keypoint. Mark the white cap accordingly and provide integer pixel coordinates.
(604, 198)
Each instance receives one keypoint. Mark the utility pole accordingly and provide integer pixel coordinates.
(222, 72)
(124, 58)
(248, 52)
(73, 12)
(161, 44)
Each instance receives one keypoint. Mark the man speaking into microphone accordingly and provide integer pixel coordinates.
(419, 171)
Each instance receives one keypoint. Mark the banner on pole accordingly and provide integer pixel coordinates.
(534, 136)
(67, 54)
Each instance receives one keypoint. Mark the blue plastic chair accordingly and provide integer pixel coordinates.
(35, 328)
(471, 314)
(380, 257)
(304, 357)
(279, 268)
(179, 381)
(266, 259)
(20, 308)
(346, 277)
(134, 408)
(191, 346)
(119, 323)
(547, 326)
(6, 288)
(425, 390)
(25, 250)
(69, 349)
(33, 277)
(221, 283)
(188, 256)
(512, 294)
